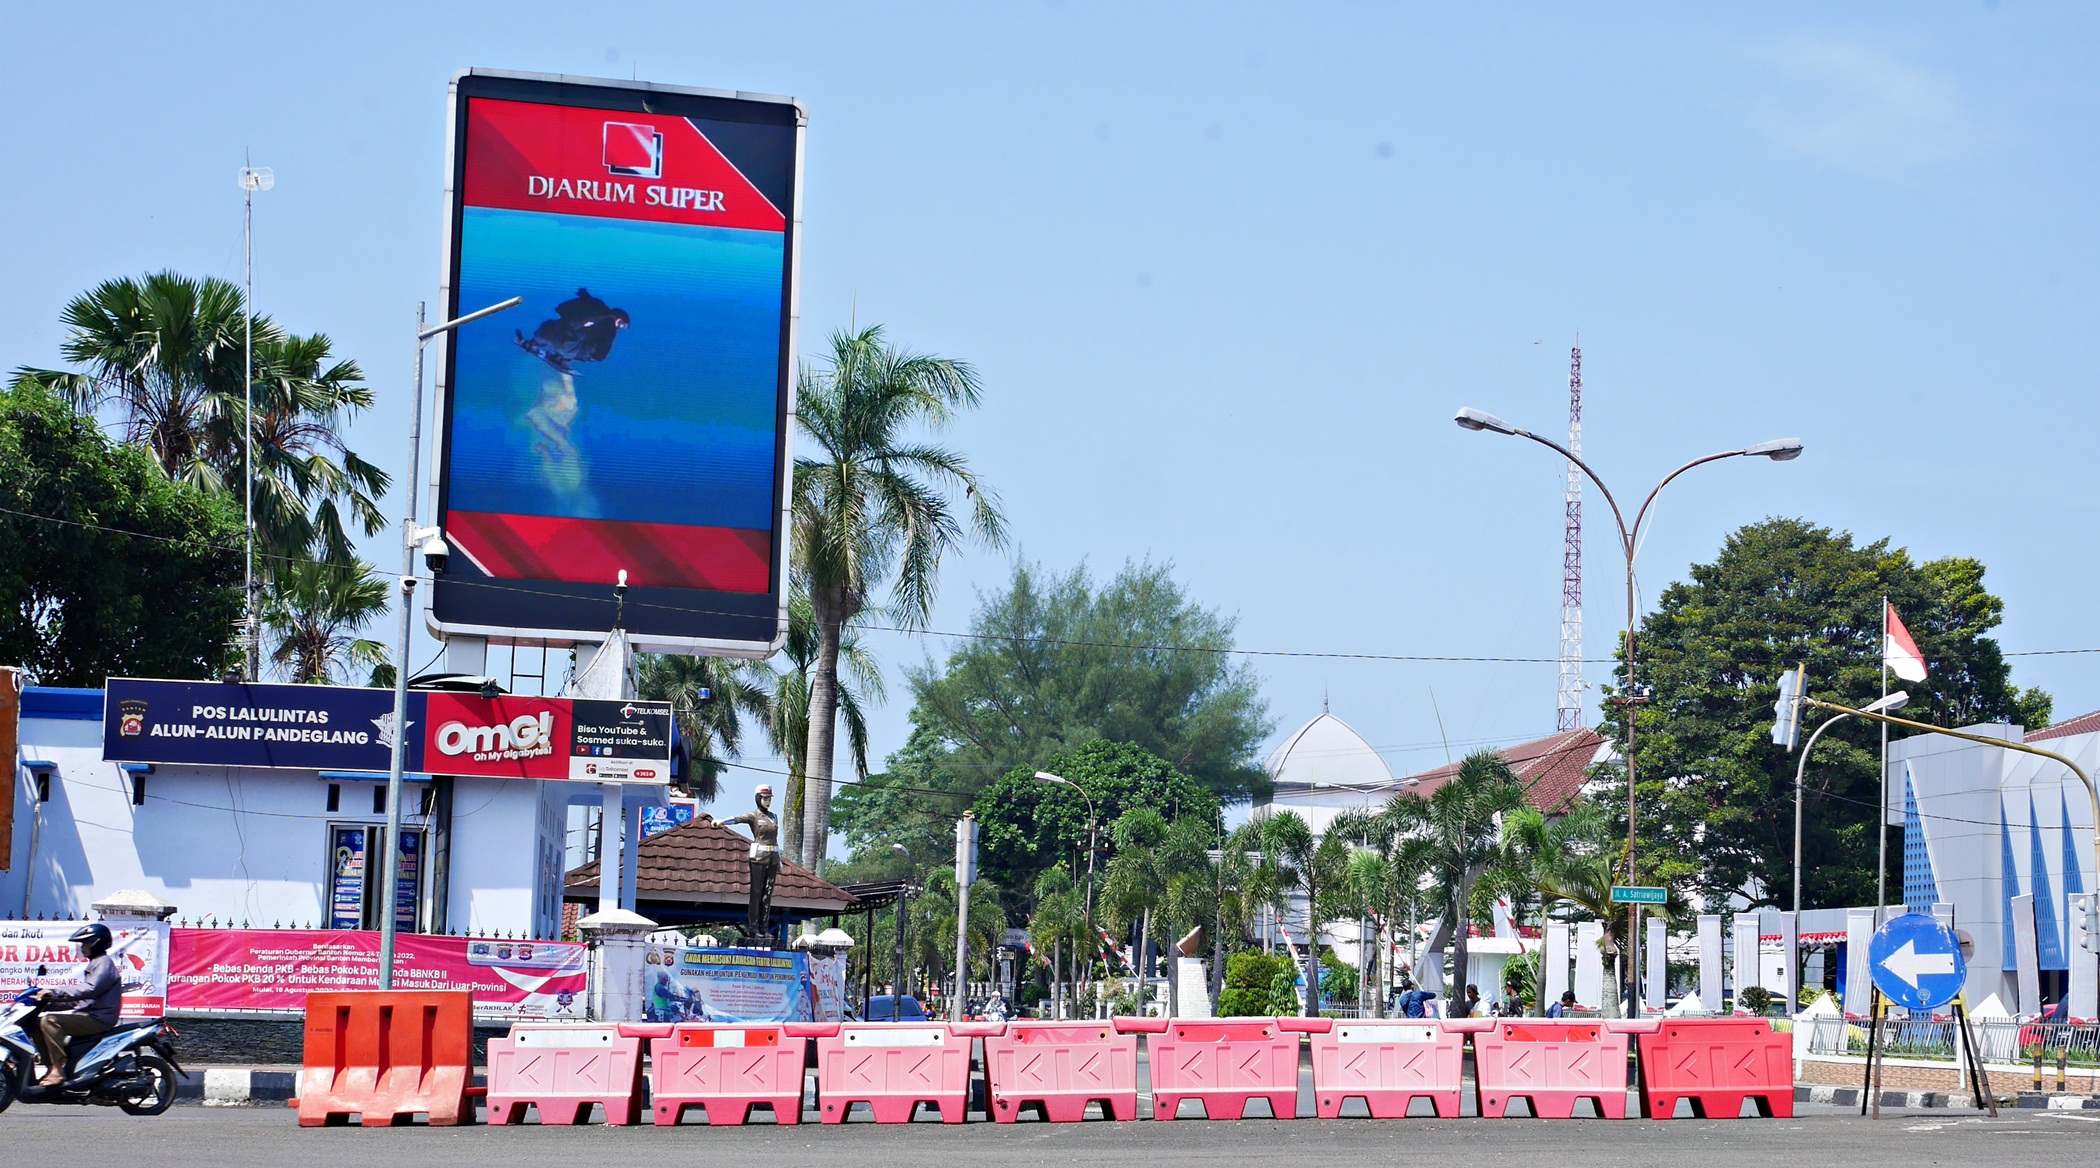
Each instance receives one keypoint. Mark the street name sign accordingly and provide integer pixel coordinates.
(1639, 894)
(1916, 961)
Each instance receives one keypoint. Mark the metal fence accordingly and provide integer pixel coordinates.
(1999, 1040)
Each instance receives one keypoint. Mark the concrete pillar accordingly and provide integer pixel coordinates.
(1859, 985)
(1589, 964)
(619, 983)
(1656, 949)
(1745, 930)
(1790, 959)
(2026, 954)
(1711, 974)
(610, 852)
(1553, 965)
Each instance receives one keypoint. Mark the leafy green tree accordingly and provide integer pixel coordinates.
(1027, 825)
(872, 506)
(1058, 927)
(1055, 662)
(163, 355)
(107, 567)
(1453, 834)
(908, 804)
(1251, 978)
(1315, 867)
(932, 925)
(713, 729)
(314, 611)
(1160, 880)
(1716, 795)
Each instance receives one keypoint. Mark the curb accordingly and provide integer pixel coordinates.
(236, 1087)
(2027, 1100)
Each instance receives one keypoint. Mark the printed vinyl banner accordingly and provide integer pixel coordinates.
(274, 969)
(140, 951)
(729, 985)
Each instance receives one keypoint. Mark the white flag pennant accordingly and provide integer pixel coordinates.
(1898, 652)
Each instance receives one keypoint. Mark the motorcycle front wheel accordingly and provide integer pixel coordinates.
(12, 1075)
(158, 1093)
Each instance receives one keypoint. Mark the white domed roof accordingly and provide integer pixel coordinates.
(1326, 753)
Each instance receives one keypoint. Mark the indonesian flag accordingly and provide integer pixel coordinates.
(1898, 651)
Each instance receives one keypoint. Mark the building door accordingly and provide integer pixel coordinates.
(356, 863)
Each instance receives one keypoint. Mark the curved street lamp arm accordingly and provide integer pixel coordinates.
(1642, 515)
(1625, 534)
(1800, 771)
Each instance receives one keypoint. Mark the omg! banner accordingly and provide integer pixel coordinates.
(274, 969)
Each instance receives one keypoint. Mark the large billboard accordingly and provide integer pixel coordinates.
(633, 413)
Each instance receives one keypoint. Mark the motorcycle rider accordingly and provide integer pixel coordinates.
(94, 1010)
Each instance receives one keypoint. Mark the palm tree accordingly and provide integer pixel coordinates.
(872, 506)
(164, 354)
(859, 683)
(932, 924)
(1313, 866)
(1136, 882)
(714, 728)
(1058, 926)
(1161, 880)
(1454, 833)
(313, 611)
(1571, 859)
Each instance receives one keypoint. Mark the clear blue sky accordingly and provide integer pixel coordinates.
(1227, 271)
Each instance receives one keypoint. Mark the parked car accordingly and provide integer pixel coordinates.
(889, 1008)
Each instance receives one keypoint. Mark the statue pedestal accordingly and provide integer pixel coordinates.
(619, 939)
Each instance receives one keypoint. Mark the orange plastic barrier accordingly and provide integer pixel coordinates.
(1388, 1065)
(387, 1056)
(1058, 1068)
(562, 1070)
(893, 1067)
(1552, 1065)
(1222, 1063)
(1717, 1063)
(728, 1069)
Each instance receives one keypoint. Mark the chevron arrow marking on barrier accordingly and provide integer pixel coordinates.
(1250, 1065)
(918, 1069)
(1581, 1065)
(1090, 1067)
(1748, 1063)
(1354, 1063)
(1688, 1066)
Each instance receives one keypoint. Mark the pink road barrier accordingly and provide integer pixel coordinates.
(1551, 1065)
(1716, 1063)
(893, 1067)
(1058, 1068)
(1222, 1063)
(726, 1070)
(562, 1069)
(1388, 1065)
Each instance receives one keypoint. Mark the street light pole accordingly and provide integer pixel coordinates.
(1894, 701)
(252, 179)
(899, 989)
(1778, 450)
(411, 537)
(1093, 848)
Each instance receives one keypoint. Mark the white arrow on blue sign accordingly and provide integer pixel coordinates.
(1916, 962)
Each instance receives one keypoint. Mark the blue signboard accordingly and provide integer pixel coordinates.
(307, 727)
(1916, 962)
(676, 813)
(346, 879)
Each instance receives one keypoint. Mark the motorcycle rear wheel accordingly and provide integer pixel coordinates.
(160, 1095)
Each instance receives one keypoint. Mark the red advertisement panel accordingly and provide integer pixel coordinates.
(547, 738)
(274, 969)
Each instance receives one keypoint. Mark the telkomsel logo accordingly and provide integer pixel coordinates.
(634, 150)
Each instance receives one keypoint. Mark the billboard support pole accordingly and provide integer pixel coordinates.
(411, 537)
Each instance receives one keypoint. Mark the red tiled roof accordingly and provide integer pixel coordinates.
(1555, 767)
(703, 862)
(2082, 724)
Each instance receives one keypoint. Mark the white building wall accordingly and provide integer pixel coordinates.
(250, 846)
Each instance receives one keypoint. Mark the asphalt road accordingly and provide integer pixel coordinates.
(239, 1137)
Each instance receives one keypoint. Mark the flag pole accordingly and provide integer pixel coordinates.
(1881, 817)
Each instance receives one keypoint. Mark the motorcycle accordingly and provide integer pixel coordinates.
(132, 1067)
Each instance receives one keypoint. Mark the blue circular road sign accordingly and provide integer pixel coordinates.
(1916, 962)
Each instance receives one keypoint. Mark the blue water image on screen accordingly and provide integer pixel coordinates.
(675, 424)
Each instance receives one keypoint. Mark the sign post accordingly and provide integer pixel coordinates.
(1639, 894)
(1916, 962)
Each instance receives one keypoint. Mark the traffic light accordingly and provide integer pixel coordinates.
(2082, 921)
(1786, 712)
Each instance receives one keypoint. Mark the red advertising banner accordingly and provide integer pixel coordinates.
(547, 738)
(274, 969)
(37, 953)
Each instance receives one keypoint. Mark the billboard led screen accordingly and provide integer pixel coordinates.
(632, 413)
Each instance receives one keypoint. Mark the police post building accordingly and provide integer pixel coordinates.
(265, 805)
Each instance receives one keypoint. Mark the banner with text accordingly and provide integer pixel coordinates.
(729, 985)
(37, 953)
(274, 969)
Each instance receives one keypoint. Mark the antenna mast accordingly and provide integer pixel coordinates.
(1570, 717)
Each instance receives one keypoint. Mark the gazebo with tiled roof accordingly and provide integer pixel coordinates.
(701, 871)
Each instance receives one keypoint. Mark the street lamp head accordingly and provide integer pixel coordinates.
(1047, 777)
(900, 849)
(1778, 449)
(1472, 419)
(1894, 701)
